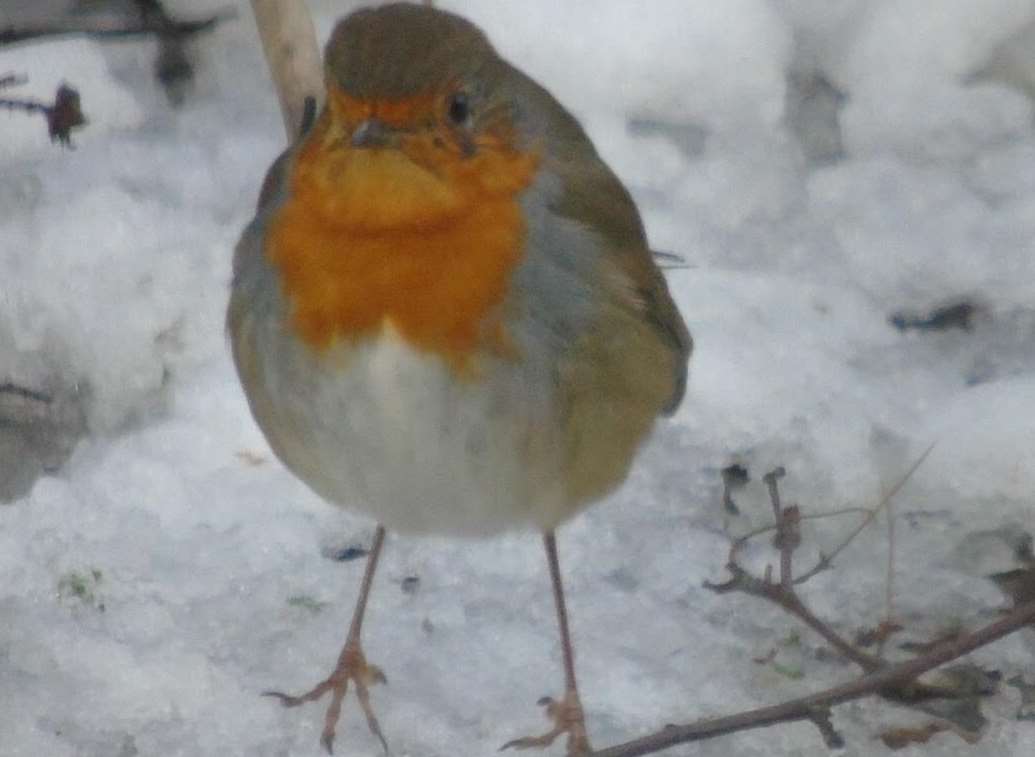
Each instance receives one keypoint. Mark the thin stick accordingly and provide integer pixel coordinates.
(789, 600)
(804, 708)
(788, 533)
(293, 56)
(756, 532)
(889, 580)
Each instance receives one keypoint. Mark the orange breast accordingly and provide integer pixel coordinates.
(370, 239)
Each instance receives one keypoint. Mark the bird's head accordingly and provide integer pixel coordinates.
(419, 122)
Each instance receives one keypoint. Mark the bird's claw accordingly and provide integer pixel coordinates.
(352, 666)
(567, 717)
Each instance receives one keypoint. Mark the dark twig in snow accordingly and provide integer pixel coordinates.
(782, 592)
(62, 116)
(890, 677)
(896, 681)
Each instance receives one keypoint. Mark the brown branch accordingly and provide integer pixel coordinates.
(756, 532)
(782, 593)
(788, 527)
(893, 681)
(825, 560)
(805, 708)
(788, 599)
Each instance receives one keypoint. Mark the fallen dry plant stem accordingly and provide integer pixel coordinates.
(789, 600)
(782, 592)
(807, 707)
(897, 681)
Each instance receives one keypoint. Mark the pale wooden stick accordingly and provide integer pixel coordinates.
(293, 55)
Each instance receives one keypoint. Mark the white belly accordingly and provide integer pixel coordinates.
(391, 432)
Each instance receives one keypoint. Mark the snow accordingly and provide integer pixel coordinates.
(169, 570)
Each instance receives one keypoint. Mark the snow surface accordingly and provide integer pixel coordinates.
(820, 164)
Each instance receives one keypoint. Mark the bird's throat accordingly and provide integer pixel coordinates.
(368, 242)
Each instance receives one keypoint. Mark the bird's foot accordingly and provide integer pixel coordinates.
(567, 718)
(352, 666)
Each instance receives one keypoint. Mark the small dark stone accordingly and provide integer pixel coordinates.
(735, 475)
(410, 584)
(955, 315)
(352, 552)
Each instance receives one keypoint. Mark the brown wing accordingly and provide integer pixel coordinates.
(594, 196)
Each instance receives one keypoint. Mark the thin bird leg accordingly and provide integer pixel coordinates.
(352, 665)
(567, 713)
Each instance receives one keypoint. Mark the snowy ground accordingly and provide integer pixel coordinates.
(821, 165)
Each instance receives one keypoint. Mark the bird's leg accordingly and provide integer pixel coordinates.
(352, 665)
(567, 713)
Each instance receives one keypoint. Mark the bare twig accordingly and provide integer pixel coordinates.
(782, 593)
(24, 393)
(788, 527)
(805, 708)
(756, 532)
(889, 582)
(62, 116)
(825, 560)
(788, 599)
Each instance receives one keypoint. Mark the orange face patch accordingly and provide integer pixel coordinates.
(416, 237)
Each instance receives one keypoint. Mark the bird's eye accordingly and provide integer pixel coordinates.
(459, 108)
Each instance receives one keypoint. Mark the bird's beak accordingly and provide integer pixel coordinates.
(373, 133)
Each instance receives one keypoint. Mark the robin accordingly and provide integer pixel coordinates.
(445, 313)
